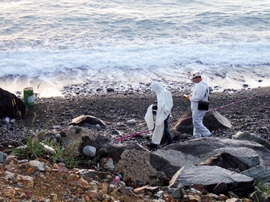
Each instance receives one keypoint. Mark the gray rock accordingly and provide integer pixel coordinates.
(212, 120)
(241, 158)
(177, 193)
(3, 157)
(131, 122)
(251, 137)
(199, 150)
(110, 89)
(210, 176)
(109, 165)
(75, 138)
(258, 173)
(41, 166)
(227, 161)
(89, 151)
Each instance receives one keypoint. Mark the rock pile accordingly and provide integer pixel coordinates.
(205, 169)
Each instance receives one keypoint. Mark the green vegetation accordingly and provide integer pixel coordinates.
(54, 152)
(265, 188)
(36, 147)
(67, 155)
(31, 150)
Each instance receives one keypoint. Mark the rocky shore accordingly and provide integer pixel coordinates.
(247, 109)
(123, 112)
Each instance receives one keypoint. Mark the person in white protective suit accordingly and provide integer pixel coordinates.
(200, 92)
(159, 126)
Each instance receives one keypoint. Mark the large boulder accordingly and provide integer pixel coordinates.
(210, 177)
(212, 120)
(11, 106)
(220, 165)
(251, 137)
(135, 162)
(75, 138)
(199, 150)
(227, 161)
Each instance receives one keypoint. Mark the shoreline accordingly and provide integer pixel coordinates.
(173, 79)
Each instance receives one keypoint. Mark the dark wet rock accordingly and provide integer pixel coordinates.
(227, 161)
(11, 106)
(110, 90)
(220, 188)
(102, 153)
(259, 196)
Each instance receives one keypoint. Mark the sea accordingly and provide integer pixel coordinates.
(52, 45)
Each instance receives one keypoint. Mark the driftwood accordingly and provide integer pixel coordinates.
(83, 119)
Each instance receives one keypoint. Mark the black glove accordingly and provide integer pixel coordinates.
(154, 107)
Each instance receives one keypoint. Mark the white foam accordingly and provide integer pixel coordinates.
(177, 79)
(111, 43)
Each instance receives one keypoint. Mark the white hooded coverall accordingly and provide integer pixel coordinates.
(200, 92)
(164, 106)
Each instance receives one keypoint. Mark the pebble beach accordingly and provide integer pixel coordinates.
(247, 109)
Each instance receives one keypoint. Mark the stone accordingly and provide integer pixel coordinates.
(110, 89)
(258, 196)
(83, 119)
(213, 120)
(103, 152)
(25, 181)
(40, 166)
(3, 157)
(197, 151)
(258, 173)
(227, 161)
(11, 106)
(131, 122)
(251, 137)
(10, 192)
(89, 151)
(204, 175)
(108, 165)
(75, 138)
(220, 188)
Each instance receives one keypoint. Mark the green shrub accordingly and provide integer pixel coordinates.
(32, 150)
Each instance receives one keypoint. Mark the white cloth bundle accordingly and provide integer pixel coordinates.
(164, 106)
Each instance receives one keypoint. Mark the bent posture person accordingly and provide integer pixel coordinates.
(200, 93)
(160, 125)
